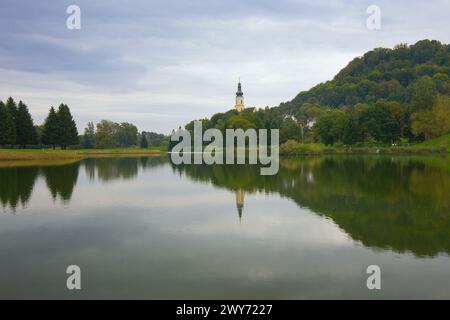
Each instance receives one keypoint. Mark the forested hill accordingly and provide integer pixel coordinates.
(386, 97)
(382, 73)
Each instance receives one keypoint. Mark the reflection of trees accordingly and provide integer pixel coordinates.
(109, 169)
(16, 185)
(61, 180)
(401, 204)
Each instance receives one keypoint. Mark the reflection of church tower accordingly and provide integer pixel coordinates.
(240, 202)
(239, 98)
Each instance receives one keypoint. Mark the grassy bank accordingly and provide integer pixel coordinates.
(50, 154)
(292, 148)
(440, 142)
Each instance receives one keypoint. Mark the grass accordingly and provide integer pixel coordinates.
(293, 148)
(440, 142)
(440, 145)
(50, 154)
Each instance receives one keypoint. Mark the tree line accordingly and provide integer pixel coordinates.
(17, 127)
(109, 134)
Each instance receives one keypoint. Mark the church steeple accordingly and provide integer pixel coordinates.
(239, 98)
(240, 202)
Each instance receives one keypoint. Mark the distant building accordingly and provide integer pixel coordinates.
(311, 123)
(239, 99)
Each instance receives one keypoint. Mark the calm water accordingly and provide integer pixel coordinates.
(144, 228)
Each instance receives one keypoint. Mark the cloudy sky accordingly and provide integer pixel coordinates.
(160, 64)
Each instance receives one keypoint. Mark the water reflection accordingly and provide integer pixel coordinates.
(110, 169)
(16, 185)
(61, 180)
(400, 204)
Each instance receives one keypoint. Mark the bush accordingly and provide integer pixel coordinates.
(292, 148)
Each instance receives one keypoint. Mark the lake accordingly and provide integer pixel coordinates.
(145, 228)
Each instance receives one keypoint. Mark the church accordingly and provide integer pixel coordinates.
(239, 106)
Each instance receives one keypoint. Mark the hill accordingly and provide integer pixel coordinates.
(387, 96)
(382, 73)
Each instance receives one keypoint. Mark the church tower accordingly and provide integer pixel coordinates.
(239, 98)
(240, 202)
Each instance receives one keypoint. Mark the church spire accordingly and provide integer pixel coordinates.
(240, 202)
(239, 98)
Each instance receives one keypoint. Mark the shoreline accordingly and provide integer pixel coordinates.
(12, 155)
(410, 151)
(21, 155)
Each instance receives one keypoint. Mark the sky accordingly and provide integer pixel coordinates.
(160, 64)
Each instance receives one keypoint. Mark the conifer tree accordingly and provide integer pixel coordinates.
(7, 126)
(12, 110)
(50, 136)
(25, 131)
(67, 132)
(12, 107)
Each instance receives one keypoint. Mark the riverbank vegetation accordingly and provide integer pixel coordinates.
(50, 154)
(59, 130)
(389, 100)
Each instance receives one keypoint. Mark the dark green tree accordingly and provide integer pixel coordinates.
(11, 106)
(50, 135)
(7, 126)
(144, 142)
(68, 133)
(378, 123)
(127, 135)
(330, 126)
(25, 131)
(351, 133)
(89, 136)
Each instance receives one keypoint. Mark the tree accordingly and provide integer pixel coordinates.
(156, 139)
(12, 107)
(126, 135)
(330, 126)
(12, 110)
(25, 131)
(290, 130)
(50, 135)
(239, 122)
(105, 135)
(378, 123)
(424, 94)
(351, 132)
(435, 122)
(144, 143)
(89, 136)
(68, 133)
(7, 126)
